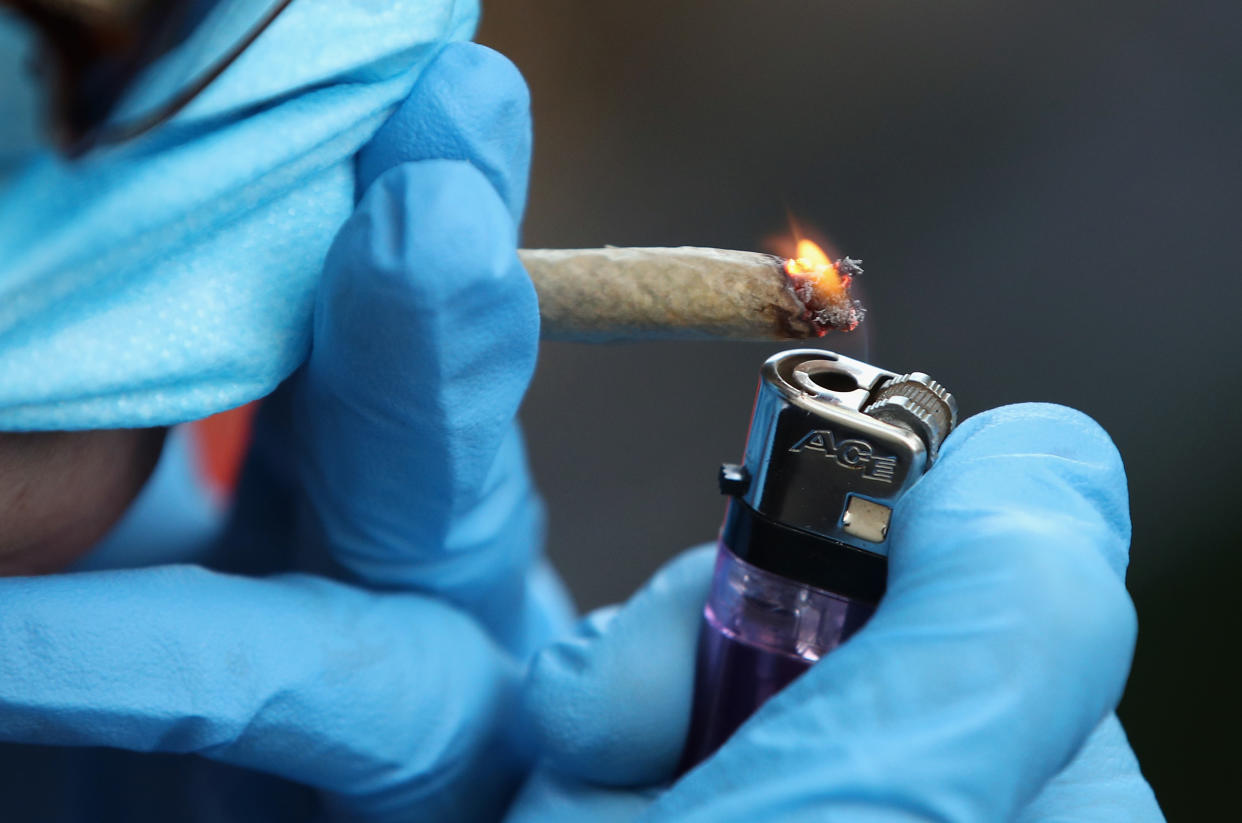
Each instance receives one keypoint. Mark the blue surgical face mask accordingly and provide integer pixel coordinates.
(172, 277)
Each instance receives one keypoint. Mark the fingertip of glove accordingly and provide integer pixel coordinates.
(471, 103)
(684, 578)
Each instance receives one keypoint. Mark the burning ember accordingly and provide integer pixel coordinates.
(824, 286)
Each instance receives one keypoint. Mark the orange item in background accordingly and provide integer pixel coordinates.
(220, 444)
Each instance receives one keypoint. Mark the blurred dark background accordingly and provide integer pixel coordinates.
(1047, 199)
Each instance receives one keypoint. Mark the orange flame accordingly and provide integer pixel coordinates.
(822, 285)
(812, 265)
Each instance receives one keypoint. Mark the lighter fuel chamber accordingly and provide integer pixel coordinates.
(802, 561)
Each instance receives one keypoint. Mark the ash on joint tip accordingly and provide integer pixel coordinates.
(828, 302)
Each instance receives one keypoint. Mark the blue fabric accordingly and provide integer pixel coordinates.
(353, 644)
(174, 277)
(19, 98)
(982, 690)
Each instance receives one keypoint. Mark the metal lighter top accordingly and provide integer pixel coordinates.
(833, 444)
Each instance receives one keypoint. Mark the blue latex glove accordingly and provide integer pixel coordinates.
(392, 462)
(982, 690)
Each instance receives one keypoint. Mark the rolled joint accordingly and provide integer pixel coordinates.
(680, 293)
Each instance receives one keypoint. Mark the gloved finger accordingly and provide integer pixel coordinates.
(1004, 639)
(1102, 783)
(392, 704)
(611, 705)
(425, 336)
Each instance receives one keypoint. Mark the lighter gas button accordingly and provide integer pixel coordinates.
(866, 520)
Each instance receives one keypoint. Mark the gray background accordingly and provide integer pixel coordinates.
(1047, 199)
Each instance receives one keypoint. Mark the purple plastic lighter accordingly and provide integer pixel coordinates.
(802, 558)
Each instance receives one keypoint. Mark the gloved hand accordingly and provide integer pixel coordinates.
(983, 688)
(390, 462)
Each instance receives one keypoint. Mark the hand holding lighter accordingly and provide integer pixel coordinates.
(802, 560)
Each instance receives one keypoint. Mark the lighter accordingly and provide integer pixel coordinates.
(802, 558)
